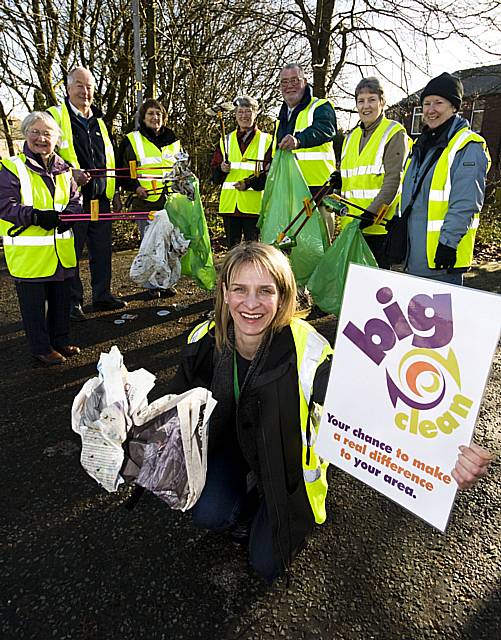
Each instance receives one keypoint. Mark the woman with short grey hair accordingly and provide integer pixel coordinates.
(44, 118)
(36, 187)
(372, 162)
(238, 156)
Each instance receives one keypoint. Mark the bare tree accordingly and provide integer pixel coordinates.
(367, 34)
(46, 38)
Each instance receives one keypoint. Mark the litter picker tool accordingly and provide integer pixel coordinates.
(95, 215)
(284, 240)
(217, 111)
(111, 216)
(374, 219)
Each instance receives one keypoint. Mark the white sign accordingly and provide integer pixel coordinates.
(411, 362)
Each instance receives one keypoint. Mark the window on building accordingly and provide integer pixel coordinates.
(477, 115)
(417, 121)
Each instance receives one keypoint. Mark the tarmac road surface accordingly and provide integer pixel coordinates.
(74, 563)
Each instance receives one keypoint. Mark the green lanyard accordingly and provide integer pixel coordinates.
(236, 386)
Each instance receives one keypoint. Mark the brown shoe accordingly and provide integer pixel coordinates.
(48, 359)
(69, 350)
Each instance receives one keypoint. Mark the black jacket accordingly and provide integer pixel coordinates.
(267, 427)
(89, 147)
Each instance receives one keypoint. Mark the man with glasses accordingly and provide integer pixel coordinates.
(86, 144)
(306, 126)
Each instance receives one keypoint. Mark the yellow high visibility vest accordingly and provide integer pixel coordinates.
(316, 163)
(35, 253)
(438, 200)
(67, 149)
(311, 350)
(148, 158)
(248, 201)
(363, 173)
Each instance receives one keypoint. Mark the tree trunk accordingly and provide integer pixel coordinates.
(6, 129)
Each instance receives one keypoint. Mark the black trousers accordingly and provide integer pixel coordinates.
(235, 226)
(377, 244)
(97, 236)
(45, 309)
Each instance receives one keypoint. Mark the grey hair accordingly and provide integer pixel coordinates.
(71, 75)
(370, 85)
(47, 119)
(248, 102)
(294, 65)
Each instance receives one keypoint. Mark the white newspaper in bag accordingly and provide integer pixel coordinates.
(101, 415)
(173, 432)
(158, 262)
(165, 441)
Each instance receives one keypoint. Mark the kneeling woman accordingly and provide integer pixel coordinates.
(260, 363)
(267, 369)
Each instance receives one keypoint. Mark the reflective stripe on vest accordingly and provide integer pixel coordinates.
(311, 350)
(316, 163)
(67, 149)
(147, 156)
(248, 201)
(35, 253)
(438, 200)
(199, 331)
(363, 172)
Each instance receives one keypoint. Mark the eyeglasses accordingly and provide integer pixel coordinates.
(290, 82)
(35, 133)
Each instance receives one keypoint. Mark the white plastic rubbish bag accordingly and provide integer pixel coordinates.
(161, 446)
(158, 262)
(167, 447)
(102, 415)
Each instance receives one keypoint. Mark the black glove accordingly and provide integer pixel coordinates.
(64, 226)
(445, 257)
(48, 220)
(335, 180)
(366, 220)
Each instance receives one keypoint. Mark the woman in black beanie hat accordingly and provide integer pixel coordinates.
(444, 186)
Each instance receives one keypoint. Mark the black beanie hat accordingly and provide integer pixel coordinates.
(445, 86)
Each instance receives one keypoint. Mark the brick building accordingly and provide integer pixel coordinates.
(481, 107)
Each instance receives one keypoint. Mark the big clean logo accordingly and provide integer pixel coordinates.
(424, 378)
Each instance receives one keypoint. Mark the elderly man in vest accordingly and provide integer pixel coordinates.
(237, 156)
(86, 145)
(306, 126)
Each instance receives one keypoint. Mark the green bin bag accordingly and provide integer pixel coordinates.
(283, 198)
(190, 218)
(326, 284)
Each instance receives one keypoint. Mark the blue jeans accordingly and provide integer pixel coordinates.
(224, 501)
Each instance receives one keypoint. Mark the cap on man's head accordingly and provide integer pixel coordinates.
(446, 86)
(246, 101)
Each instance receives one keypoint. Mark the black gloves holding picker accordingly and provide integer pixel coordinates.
(49, 220)
(336, 184)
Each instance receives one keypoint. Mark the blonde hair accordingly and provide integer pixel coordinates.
(263, 256)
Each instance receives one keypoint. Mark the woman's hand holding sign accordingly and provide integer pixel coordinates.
(473, 463)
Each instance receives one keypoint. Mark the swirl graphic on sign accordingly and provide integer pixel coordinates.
(423, 375)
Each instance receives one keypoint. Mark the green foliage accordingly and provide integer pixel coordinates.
(489, 230)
